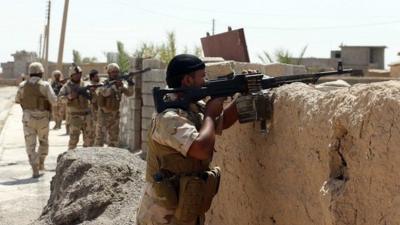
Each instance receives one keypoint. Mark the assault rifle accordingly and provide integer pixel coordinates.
(128, 77)
(246, 84)
(85, 91)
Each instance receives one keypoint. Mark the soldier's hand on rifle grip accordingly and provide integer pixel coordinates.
(214, 107)
(118, 83)
(131, 82)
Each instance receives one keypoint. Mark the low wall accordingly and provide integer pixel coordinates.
(8, 82)
(329, 158)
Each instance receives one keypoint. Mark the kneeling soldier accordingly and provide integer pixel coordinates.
(180, 182)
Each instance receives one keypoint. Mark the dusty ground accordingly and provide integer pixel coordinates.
(7, 95)
(21, 197)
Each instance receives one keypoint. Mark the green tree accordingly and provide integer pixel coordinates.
(146, 50)
(282, 56)
(198, 51)
(167, 51)
(76, 57)
(123, 58)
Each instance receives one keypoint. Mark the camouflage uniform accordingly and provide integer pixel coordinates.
(35, 97)
(59, 107)
(94, 107)
(176, 129)
(79, 116)
(108, 99)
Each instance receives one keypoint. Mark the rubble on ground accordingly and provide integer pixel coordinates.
(94, 186)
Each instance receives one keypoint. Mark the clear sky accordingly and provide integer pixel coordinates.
(94, 26)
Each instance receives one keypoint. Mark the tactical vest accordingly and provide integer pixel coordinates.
(33, 99)
(162, 157)
(56, 87)
(79, 103)
(110, 103)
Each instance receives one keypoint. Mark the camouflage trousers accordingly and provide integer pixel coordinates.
(36, 128)
(58, 111)
(80, 122)
(151, 213)
(107, 122)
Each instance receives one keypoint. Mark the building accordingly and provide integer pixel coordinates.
(355, 57)
(22, 59)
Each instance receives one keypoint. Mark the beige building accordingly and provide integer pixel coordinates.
(22, 59)
(395, 69)
(355, 57)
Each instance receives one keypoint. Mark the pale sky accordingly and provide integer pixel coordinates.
(94, 26)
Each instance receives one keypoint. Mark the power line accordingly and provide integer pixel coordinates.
(277, 28)
(323, 27)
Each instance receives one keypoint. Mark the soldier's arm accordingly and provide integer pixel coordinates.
(50, 95)
(18, 97)
(202, 147)
(230, 115)
(62, 95)
(128, 91)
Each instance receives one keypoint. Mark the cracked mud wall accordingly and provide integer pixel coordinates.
(330, 158)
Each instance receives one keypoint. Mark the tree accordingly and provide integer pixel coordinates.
(123, 58)
(168, 50)
(282, 56)
(76, 57)
(146, 50)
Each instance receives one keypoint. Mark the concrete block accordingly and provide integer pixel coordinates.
(148, 99)
(157, 75)
(153, 63)
(147, 88)
(147, 111)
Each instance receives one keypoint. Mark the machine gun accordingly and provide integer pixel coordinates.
(128, 77)
(249, 85)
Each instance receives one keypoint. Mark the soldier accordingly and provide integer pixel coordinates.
(78, 110)
(57, 110)
(94, 80)
(36, 97)
(180, 184)
(108, 100)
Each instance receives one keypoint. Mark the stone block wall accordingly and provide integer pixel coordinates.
(154, 78)
(395, 70)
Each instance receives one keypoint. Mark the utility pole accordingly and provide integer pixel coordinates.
(43, 44)
(213, 26)
(47, 37)
(40, 47)
(62, 36)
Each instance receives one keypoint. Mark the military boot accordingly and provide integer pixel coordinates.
(35, 170)
(41, 163)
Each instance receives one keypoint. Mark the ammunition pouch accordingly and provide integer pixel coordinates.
(190, 195)
(166, 191)
(196, 193)
(109, 103)
(255, 107)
